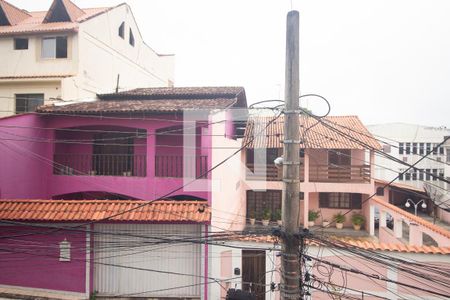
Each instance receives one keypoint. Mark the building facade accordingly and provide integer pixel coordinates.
(409, 143)
(71, 54)
(127, 150)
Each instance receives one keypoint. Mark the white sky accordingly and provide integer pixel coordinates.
(383, 60)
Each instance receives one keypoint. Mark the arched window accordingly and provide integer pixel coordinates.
(131, 38)
(122, 30)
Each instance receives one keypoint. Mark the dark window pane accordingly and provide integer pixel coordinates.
(400, 176)
(122, 30)
(61, 47)
(400, 148)
(414, 148)
(408, 148)
(28, 102)
(20, 44)
(421, 148)
(131, 38)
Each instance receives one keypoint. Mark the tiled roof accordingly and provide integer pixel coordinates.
(73, 11)
(367, 245)
(95, 210)
(176, 93)
(34, 22)
(13, 14)
(413, 218)
(314, 134)
(157, 99)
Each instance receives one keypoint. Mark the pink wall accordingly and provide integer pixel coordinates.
(33, 260)
(24, 161)
(36, 175)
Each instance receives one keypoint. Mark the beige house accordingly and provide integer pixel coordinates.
(72, 54)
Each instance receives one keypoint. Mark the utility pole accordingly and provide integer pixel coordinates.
(290, 265)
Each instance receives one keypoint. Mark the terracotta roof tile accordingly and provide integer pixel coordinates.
(367, 245)
(34, 23)
(13, 14)
(157, 99)
(177, 93)
(95, 210)
(315, 134)
(413, 218)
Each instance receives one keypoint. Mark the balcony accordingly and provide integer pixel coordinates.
(272, 173)
(178, 166)
(339, 174)
(74, 164)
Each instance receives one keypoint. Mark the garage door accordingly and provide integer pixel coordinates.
(137, 260)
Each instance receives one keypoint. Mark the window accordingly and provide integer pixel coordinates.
(414, 174)
(340, 200)
(380, 191)
(28, 102)
(421, 148)
(54, 47)
(441, 173)
(122, 30)
(435, 149)
(131, 38)
(448, 155)
(400, 174)
(64, 250)
(400, 148)
(408, 148)
(441, 150)
(257, 202)
(428, 174)
(420, 174)
(20, 44)
(407, 176)
(435, 174)
(428, 148)
(414, 148)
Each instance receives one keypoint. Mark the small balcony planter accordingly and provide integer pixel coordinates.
(325, 223)
(312, 217)
(252, 219)
(339, 218)
(92, 172)
(277, 216)
(357, 221)
(266, 217)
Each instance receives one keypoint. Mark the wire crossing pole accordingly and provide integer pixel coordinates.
(290, 266)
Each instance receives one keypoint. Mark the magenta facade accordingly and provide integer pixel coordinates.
(32, 260)
(47, 169)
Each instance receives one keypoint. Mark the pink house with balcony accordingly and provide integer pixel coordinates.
(93, 161)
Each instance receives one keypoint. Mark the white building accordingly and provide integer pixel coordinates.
(71, 53)
(409, 143)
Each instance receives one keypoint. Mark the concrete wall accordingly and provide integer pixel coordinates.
(8, 90)
(105, 55)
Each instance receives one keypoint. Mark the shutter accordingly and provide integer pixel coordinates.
(323, 200)
(356, 201)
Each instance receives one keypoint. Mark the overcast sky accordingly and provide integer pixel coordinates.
(385, 61)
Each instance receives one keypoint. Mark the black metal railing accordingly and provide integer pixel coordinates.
(100, 164)
(179, 166)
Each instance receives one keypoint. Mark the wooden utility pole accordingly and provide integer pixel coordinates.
(290, 266)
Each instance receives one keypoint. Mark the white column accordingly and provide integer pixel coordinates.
(382, 218)
(305, 209)
(398, 228)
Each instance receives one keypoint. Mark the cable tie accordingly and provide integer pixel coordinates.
(292, 142)
(291, 163)
(291, 180)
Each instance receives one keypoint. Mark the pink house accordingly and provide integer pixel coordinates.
(143, 144)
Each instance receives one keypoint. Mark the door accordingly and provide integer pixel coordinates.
(339, 165)
(254, 272)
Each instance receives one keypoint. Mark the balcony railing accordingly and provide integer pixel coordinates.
(100, 164)
(174, 166)
(327, 173)
(272, 173)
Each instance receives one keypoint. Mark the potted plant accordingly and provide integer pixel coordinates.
(339, 218)
(266, 216)
(277, 216)
(325, 223)
(357, 221)
(312, 217)
(251, 216)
